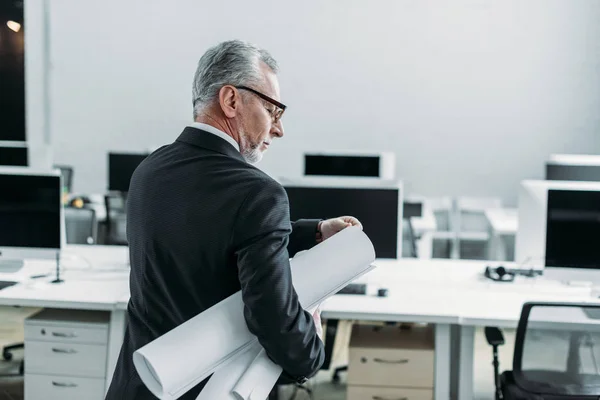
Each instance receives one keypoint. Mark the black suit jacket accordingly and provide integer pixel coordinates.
(201, 225)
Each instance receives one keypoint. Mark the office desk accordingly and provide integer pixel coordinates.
(455, 297)
(452, 294)
(96, 278)
(503, 225)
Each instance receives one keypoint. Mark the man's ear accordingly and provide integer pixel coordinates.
(230, 101)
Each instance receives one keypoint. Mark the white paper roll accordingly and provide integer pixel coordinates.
(177, 361)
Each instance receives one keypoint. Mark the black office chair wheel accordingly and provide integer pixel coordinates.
(335, 378)
(336, 374)
(7, 355)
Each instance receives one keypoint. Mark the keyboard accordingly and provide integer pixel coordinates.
(354, 288)
(5, 284)
(592, 313)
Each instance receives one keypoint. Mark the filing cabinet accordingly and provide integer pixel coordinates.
(389, 362)
(66, 354)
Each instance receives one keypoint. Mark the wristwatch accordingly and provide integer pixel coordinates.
(319, 234)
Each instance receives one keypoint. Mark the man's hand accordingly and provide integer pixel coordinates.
(330, 227)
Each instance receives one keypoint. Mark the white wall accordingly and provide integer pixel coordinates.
(472, 95)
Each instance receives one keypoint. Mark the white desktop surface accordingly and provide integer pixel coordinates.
(504, 221)
(424, 223)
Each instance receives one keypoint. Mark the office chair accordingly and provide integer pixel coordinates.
(81, 226)
(7, 354)
(409, 238)
(557, 350)
(115, 220)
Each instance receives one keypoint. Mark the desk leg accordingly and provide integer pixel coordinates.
(330, 332)
(115, 341)
(465, 362)
(442, 362)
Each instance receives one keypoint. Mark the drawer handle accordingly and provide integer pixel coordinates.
(64, 384)
(380, 360)
(388, 398)
(65, 335)
(64, 351)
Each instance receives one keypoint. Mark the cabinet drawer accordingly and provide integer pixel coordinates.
(49, 387)
(72, 359)
(379, 393)
(65, 334)
(385, 367)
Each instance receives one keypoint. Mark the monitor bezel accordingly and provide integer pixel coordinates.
(356, 183)
(10, 253)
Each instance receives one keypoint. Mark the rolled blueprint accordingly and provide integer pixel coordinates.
(183, 357)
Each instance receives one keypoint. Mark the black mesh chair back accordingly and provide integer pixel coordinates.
(81, 226)
(557, 350)
(116, 219)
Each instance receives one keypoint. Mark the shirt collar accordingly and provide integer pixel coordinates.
(215, 131)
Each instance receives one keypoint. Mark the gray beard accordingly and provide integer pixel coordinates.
(252, 156)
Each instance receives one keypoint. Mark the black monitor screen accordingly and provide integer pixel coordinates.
(121, 168)
(13, 156)
(377, 210)
(367, 166)
(573, 229)
(30, 211)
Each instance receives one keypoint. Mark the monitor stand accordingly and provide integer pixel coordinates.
(10, 266)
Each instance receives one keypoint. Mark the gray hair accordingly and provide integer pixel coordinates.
(234, 63)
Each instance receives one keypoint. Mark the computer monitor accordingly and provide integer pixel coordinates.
(14, 156)
(120, 169)
(559, 223)
(66, 172)
(31, 219)
(351, 164)
(377, 204)
(573, 167)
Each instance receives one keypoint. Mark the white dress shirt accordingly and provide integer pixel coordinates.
(215, 131)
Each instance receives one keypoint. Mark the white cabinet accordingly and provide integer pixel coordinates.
(388, 362)
(65, 354)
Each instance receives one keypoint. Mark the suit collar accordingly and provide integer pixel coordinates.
(200, 138)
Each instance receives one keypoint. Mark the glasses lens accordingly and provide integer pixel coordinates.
(277, 115)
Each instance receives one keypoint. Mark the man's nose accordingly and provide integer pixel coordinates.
(277, 129)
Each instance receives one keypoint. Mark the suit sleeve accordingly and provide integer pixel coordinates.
(271, 307)
(303, 236)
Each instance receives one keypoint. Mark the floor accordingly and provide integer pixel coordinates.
(11, 331)
(11, 388)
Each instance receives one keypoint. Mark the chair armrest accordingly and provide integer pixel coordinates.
(494, 336)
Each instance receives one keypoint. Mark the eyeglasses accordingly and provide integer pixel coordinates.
(276, 113)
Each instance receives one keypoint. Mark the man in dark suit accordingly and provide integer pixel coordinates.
(203, 223)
